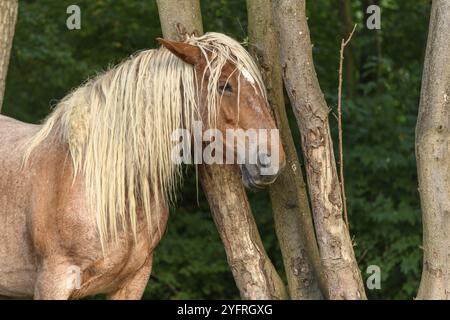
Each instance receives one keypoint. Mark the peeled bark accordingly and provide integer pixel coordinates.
(433, 156)
(292, 215)
(254, 273)
(310, 108)
(8, 17)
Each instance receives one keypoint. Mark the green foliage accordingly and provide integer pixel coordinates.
(48, 60)
(384, 211)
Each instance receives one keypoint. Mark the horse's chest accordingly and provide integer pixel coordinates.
(108, 273)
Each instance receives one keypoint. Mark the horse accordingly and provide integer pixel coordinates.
(85, 196)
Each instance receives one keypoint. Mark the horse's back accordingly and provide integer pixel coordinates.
(13, 136)
(17, 261)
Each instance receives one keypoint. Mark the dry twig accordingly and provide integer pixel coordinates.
(341, 154)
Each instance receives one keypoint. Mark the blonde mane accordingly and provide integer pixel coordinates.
(117, 127)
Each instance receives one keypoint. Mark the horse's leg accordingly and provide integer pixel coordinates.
(55, 281)
(133, 287)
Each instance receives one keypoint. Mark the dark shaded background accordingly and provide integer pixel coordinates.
(379, 120)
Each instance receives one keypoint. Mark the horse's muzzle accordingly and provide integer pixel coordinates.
(254, 177)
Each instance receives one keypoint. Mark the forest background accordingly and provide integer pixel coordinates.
(381, 86)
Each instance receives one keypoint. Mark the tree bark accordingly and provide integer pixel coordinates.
(310, 108)
(8, 17)
(254, 273)
(433, 156)
(175, 14)
(292, 215)
(255, 276)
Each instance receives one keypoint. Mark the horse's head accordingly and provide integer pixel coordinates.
(248, 132)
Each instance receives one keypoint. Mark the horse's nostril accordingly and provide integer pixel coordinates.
(264, 160)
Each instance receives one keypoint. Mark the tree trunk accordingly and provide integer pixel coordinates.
(8, 17)
(310, 108)
(293, 222)
(433, 156)
(174, 15)
(254, 273)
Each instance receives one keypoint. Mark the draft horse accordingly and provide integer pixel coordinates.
(84, 197)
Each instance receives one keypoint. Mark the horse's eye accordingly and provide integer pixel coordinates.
(225, 88)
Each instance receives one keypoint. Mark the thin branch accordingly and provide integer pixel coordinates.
(341, 153)
(350, 36)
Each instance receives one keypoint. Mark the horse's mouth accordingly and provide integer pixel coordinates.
(250, 183)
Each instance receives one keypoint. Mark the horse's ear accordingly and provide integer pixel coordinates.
(187, 52)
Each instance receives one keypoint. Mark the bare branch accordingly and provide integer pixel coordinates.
(341, 151)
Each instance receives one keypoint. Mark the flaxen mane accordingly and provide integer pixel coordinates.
(118, 127)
